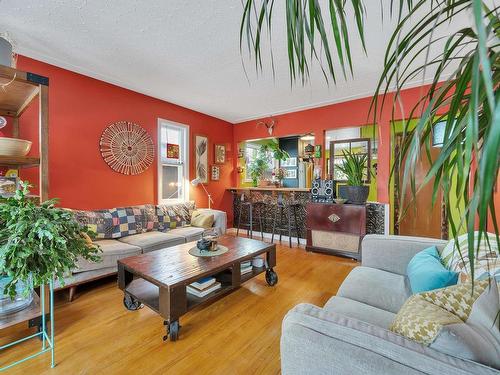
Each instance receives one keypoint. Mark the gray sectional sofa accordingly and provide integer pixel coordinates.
(350, 334)
(122, 246)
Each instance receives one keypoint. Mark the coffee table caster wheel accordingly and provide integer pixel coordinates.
(271, 277)
(131, 303)
(172, 330)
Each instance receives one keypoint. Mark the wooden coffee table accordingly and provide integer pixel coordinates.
(158, 279)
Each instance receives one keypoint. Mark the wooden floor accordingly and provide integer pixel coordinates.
(238, 334)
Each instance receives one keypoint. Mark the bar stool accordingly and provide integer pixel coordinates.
(252, 208)
(286, 208)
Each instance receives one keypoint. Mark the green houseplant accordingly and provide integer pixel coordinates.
(267, 152)
(354, 167)
(39, 242)
(463, 68)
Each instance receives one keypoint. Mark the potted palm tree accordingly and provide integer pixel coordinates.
(354, 167)
(38, 242)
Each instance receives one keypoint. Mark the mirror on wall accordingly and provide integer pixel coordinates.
(358, 146)
(362, 139)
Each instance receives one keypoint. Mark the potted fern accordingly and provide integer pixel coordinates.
(38, 242)
(354, 166)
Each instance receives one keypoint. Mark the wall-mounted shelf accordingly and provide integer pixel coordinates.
(19, 161)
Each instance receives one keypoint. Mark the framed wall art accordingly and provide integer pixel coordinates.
(215, 173)
(220, 154)
(290, 162)
(201, 158)
(290, 174)
(172, 151)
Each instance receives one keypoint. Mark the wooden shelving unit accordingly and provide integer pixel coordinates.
(19, 162)
(19, 90)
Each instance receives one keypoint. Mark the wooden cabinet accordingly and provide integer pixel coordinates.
(335, 228)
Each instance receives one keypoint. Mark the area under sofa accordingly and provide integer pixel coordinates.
(116, 244)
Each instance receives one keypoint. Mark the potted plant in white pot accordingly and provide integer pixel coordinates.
(37, 244)
(354, 167)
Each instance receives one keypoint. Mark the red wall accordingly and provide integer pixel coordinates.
(80, 108)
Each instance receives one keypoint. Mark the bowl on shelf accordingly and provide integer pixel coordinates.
(14, 147)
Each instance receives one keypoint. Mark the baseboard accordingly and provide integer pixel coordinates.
(257, 235)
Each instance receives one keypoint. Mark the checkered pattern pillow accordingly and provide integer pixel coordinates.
(130, 220)
(423, 315)
(150, 219)
(174, 216)
(102, 222)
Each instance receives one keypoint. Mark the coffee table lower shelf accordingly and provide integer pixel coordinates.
(149, 295)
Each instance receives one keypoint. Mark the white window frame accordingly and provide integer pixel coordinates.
(184, 154)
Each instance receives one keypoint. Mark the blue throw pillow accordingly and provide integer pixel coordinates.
(426, 272)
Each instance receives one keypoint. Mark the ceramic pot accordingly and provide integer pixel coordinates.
(22, 299)
(354, 194)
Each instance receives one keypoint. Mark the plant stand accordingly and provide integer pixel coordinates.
(48, 343)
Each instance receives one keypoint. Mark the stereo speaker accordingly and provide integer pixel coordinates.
(323, 191)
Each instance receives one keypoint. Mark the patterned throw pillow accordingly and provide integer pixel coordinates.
(102, 222)
(421, 321)
(175, 215)
(150, 219)
(424, 315)
(455, 257)
(130, 220)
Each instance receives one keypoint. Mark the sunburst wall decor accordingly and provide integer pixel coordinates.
(127, 148)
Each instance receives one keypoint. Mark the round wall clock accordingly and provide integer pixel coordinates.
(127, 148)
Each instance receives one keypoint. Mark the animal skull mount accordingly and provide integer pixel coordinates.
(268, 124)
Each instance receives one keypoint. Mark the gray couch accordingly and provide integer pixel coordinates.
(115, 249)
(350, 335)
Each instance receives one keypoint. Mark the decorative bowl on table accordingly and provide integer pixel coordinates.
(340, 200)
(14, 147)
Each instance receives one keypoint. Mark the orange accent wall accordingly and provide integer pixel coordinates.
(80, 108)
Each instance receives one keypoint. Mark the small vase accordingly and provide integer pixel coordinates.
(21, 300)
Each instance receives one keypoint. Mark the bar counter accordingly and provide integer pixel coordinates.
(375, 212)
(270, 188)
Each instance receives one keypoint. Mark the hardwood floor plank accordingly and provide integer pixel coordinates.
(238, 334)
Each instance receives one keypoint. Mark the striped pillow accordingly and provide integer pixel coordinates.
(487, 264)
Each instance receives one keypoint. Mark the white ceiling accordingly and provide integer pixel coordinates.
(184, 52)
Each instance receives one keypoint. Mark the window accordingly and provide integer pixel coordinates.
(251, 151)
(360, 140)
(173, 178)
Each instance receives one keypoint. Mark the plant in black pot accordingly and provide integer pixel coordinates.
(354, 167)
(38, 242)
